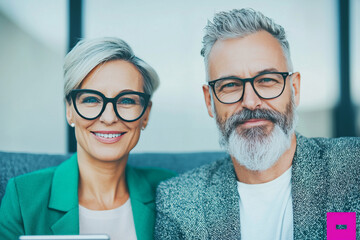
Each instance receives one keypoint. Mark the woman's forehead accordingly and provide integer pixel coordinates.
(114, 77)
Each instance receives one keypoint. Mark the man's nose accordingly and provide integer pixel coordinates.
(109, 116)
(250, 99)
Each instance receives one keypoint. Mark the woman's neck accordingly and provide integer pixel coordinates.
(102, 185)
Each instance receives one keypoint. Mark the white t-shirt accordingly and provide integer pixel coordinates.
(266, 211)
(118, 223)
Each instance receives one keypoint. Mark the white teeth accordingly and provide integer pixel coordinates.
(108, 135)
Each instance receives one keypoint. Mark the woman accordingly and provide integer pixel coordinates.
(107, 91)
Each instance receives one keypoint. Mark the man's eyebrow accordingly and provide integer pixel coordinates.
(267, 70)
(228, 76)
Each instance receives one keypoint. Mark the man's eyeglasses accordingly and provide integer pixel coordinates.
(128, 106)
(266, 85)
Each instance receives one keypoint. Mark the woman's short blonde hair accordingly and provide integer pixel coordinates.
(89, 53)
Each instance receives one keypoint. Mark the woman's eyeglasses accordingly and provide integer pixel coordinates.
(128, 106)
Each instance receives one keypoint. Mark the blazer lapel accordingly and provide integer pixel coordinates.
(309, 174)
(68, 224)
(64, 198)
(142, 199)
(221, 203)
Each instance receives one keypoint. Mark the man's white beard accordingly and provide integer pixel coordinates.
(254, 148)
(259, 154)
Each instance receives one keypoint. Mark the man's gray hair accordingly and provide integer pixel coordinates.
(240, 23)
(89, 53)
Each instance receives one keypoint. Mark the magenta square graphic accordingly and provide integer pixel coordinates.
(341, 225)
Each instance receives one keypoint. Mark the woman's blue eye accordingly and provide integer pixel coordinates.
(90, 100)
(126, 101)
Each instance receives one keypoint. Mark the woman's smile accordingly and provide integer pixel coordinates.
(108, 137)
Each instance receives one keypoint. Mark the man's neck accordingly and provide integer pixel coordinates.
(255, 177)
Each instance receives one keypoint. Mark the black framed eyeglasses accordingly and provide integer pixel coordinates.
(128, 106)
(267, 85)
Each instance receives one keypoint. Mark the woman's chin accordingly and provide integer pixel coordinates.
(111, 156)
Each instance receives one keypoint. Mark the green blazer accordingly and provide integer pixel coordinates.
(46, 202)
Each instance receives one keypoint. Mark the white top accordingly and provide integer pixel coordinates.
(266, 211)
(118, 223)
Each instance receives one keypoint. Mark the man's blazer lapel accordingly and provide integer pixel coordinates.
(309, 174)
(221, 203)
(142, 199)
(63, 204)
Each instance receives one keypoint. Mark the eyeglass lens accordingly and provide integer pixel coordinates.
(128, 106)
(267, 86)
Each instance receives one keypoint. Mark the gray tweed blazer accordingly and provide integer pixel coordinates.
(204, 203)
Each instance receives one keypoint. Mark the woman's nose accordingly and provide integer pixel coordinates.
(109, 116)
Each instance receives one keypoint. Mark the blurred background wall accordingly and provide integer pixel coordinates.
(31, 106)
(166, 34)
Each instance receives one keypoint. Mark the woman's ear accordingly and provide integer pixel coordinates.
(146, 116)
(69, 113)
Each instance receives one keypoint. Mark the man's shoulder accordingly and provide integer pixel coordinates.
(325, 175)
(334, 156)
(203, 198)
(198, 176)
(188, 188)
(331, 148)
(332, 142)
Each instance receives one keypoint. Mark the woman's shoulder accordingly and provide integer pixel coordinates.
(29, 190)
(37, 181)
(36, 178)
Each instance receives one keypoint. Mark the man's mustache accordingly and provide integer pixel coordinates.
(244, 115)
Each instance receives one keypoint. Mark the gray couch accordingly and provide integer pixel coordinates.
(14, 164)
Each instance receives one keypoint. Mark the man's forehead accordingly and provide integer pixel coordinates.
(260, 39)
(246, 56)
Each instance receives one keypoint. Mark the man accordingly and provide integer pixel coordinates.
(276, 184)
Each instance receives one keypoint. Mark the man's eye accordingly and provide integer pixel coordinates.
(267, 80)
(229, 85)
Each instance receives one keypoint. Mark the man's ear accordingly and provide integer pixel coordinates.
(207, 98)
(69, 113)
(146, 115)
(295, 81)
